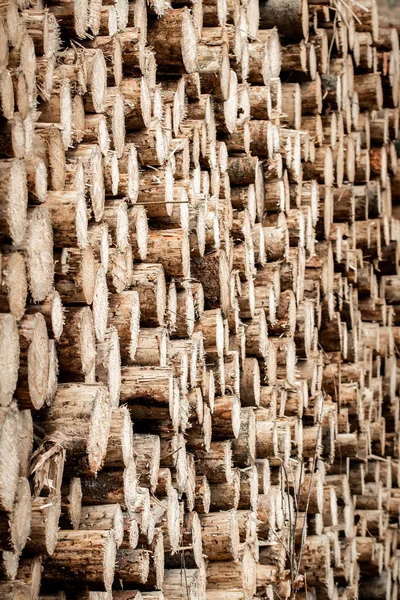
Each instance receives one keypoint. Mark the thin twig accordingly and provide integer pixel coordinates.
(332, 41)
(360, 5)
(291, 533)
(183, 565)
(297, 509)
(303, 533)
(351, 11)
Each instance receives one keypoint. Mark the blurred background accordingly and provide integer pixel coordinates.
(390, 12)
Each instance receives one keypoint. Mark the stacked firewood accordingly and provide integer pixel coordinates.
(199, 300)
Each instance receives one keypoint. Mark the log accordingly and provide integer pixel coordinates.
(147, 456)
(71, 502)
(34, 362)
(113, 486)
(91, 158)
(230, 574)
(244, 447)
(15, 589)
(44, 524)
(196, 582)
(89, 410)
(9, 363)
(76, 346)
(176, 262)
(213, 66)
(13, 200)
(149, 280)
(178, 48)
(107, 517)
(15, 527)
(120, 441)
(75, 276)
(291, 18)
(69, 218)
(220, 535)
(216, 464)
(226, 417)
(13, 284)
(39, 249)
(95, 548)
(29, 571)
(124, 311)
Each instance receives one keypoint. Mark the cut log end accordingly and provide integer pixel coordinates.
(14, 203)
(40, 254)
(188, 43)
(37, 366)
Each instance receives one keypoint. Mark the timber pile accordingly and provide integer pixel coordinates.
(200, 300)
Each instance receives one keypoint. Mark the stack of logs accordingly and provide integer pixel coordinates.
(200, 300)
